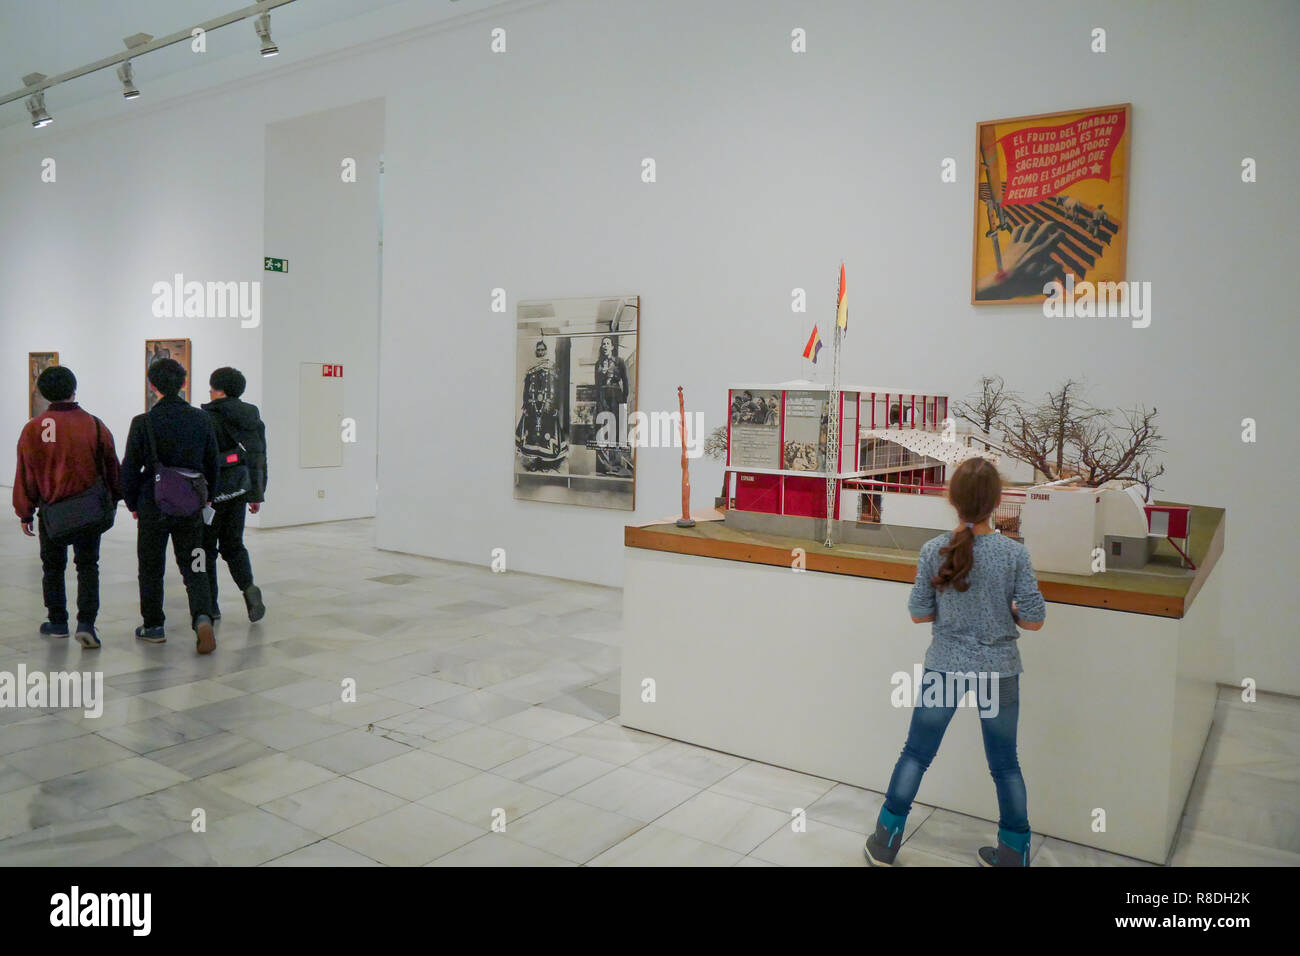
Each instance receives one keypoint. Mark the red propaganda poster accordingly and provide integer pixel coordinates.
(1051, 200)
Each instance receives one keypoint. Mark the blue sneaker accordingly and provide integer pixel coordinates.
(54, 630)
(87, 636)
(151, 635)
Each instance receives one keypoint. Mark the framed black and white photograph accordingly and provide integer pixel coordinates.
(575, 394)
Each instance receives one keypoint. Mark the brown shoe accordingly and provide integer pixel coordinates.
(207, 639)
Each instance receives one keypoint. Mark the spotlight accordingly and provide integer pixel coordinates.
(263, 27)
(129, 92)
(36, 106)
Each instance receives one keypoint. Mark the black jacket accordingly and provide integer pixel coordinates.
(237, 421)
(185, 440)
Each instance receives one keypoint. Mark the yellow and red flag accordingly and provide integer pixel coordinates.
(813, 347)
(842, 304)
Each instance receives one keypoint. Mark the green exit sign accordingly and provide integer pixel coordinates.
(275, 265)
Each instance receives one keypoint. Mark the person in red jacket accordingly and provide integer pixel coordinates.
(61, 453)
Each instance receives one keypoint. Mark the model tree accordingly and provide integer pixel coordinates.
(1064, 436)
(993, 401)
(715, 446)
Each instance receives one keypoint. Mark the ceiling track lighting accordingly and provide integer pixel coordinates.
(36, 106)
(129, 91)
(138, 44)
(263, 27)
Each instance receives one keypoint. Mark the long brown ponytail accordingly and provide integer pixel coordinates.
(975, 490)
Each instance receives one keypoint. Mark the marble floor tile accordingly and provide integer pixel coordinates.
(12, 778)
(155, 733)
(554, 770)
(412, 835)
(195, 694)
(633, 793)
(169, 812)
(572, 830)
(542, 724)
(724, 821)
(31, 808)
(211, 754)
(484, 747)
(334, 805)
(350, 751)
(479, 707)
(422, 691)
(245, 839)
(487, 800)
(688, 764)
(820, 845)
(80, 842)
(1054, 852)
(48, 761)
(1198, 848)
(414, 775)
(588, 702)
(290, 730)
(267, 778)
(611, 743)
(773, 787)
(654, 846)
(104, 786)
(326, 853)
(497, 849)
(36, 731)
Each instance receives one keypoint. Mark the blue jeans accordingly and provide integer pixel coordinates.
(930, 720)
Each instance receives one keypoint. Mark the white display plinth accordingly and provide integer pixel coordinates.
(794, 669)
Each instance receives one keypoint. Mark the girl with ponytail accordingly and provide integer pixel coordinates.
(975, 587)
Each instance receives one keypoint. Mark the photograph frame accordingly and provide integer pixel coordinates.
(33, 373)
(568, 379)
(157, 346)
(1122, 172)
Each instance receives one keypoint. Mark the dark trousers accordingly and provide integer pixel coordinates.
(152, 533)
(225, 536)
(54, 562)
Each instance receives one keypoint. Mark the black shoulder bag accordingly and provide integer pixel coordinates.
(233, 478)
(92, 511)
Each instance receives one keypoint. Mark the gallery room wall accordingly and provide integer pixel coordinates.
(522, 171)
(325, 309)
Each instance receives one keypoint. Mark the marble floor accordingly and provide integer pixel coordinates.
(481, 699)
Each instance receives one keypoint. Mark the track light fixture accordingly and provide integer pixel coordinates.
(263, 27)
(34, 85)
(124, 74)
(36, 102)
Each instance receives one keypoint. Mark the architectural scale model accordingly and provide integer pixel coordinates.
(889, 473)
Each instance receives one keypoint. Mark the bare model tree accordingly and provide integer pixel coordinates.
(993, 402)
(1065, 436)
(715, 446)
(1146, 473)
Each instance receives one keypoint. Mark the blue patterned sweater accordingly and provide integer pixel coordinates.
(974, 630)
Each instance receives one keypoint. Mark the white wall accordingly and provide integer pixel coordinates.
(522, 171)
(325, 309)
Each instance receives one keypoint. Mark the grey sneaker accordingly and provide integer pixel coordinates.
(1002, 855)
(882, 846)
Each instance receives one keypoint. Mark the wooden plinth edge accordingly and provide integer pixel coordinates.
(1134, 602)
